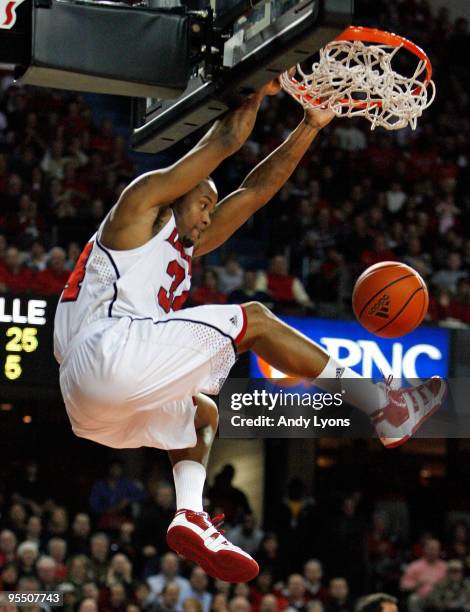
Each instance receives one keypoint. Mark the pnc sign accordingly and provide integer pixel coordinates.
(423, 353)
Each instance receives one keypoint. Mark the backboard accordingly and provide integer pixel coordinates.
(243, 52)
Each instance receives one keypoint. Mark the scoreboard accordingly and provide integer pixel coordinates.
(27, 364)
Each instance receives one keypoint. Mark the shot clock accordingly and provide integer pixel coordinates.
(27, 364)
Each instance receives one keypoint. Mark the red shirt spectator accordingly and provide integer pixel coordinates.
(379, 252)
(208, 293)
(14, 276)
(52, 280)
(284, 288)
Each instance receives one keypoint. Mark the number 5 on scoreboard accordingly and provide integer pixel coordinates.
(13, 367)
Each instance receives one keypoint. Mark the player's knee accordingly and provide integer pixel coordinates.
(258, 316)
(207, 412)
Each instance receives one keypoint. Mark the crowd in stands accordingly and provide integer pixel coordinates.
(111, 555)
(358, 197)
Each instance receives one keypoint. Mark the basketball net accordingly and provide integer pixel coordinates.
(356, 79)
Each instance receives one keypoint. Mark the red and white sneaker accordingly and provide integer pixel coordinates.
(196, 537)
(407, 410)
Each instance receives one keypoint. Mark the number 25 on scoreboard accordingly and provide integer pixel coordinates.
(21, 340)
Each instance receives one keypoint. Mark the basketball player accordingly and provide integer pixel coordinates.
(134, 367)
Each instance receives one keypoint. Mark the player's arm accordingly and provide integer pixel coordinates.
(263, 182)
(225, 137)
(131, 221)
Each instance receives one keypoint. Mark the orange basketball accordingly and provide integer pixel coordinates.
(390, 299)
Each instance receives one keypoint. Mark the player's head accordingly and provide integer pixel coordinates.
(193, 211)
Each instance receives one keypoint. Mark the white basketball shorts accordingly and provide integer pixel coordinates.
(133, 383)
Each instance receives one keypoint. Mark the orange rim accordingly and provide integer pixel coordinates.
(374, 35)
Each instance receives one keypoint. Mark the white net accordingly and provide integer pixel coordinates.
(357, 79)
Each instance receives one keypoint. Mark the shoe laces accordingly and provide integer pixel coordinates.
(388, 380)
(217, 521)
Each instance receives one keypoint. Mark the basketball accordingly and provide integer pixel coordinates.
(390, 299)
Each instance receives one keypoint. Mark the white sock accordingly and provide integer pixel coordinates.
(366, 396)
(189, 479)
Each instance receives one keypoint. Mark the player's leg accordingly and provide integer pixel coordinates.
(189, 464)
(206, 422)
(192, 533)
(396, 414)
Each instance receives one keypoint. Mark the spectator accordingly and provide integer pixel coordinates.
(448, 277)
(8, 543)
(248, 292)
(198, 589)
(117, 598)
(126, 541)
(420, 576)
(57, 549)
(219, 603)
(143, 596)
(395, 198)
(17, 518)
(8, 577)
(379, 252)
(246, 535)
(313, 574)
(382, 553)
(169, 598)
(91, 591)
(52, 280)
(36, 260)
(80, 534)
(286, 289)
(460, 305)
(349, 534)
(416, 258)
(208, 293)
(192, 605)
(14, 277)
(113, 496)
(269, 603)
(4, 246)
(294, 517)
(315, 606)
(227, 498)
(58, 524)
(73, 253)
(451, 593)
(169, 574)
(378, 602)
(46, 569)
(79, 572)
(70, 596)
(230, 275)
(53, 162)
(156, 514)
(263, 586)
(338, 596)
(458, 547)
(120, 571)
(296, 593)
(88, 605)
(349, 137)
(239, 604)
(28, 552)
(34, 530)
(99, 551)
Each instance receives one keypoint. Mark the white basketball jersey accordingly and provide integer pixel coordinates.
(147, 282)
